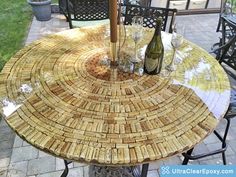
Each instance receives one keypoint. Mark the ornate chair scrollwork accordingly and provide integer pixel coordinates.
(225, 49)
(86, 10)
(150, 15)
(222, 11)
(227, 9)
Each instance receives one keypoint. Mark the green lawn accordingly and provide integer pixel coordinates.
(54, 1)
(15, 17)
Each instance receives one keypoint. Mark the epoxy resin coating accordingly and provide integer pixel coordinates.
(58, 95)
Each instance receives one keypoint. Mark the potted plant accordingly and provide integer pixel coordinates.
(41, 9)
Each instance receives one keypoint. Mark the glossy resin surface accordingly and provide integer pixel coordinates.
(60, 96)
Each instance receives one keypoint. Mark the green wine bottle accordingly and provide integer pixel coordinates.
(154, 52)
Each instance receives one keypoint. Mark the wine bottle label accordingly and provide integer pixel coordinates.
(151, 64)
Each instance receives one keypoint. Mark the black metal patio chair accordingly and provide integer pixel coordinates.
(95, 11)
(150, 15)
(231, 113)
(225, 52)
(222, 11)
(225, 48)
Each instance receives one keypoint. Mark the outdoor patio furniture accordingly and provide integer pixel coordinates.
(150, 15)
(222, 11)
(225, 52)
(225, 48)
(231, 113)
(227, 9)
(59, 95)
(86, 12)
(228, 27)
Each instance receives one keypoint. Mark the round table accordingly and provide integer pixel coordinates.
(59, 96)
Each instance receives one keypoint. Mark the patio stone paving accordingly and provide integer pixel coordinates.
(19, 159)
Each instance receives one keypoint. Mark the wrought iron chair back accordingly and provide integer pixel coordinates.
(224, 9)
(228, 28)
(150, 15)
(227, 50)
(86, 10)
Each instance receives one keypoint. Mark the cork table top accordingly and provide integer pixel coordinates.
(57, 95)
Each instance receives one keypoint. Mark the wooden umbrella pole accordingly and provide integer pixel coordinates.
(113, 28)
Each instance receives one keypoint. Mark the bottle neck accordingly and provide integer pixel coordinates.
(158, 30)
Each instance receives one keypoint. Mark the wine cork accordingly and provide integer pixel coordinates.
(113, 19)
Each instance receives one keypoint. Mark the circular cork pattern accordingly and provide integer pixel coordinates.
(98, 67)
(68, 103)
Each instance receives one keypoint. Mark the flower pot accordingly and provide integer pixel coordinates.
(41, 10)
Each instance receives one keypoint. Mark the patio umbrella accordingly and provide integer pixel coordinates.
(113, 28)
